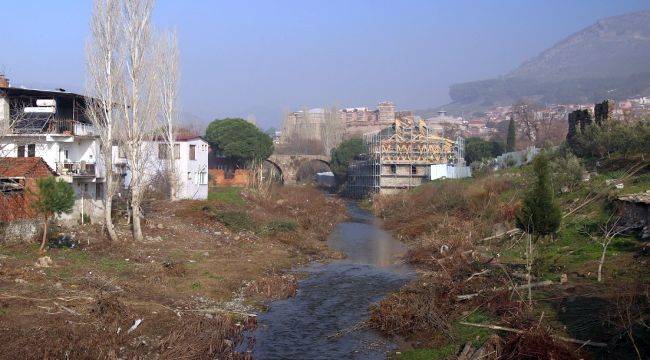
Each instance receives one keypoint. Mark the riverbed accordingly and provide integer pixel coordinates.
(322, 320)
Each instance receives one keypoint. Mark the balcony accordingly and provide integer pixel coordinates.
(76, 169)
(42, 123)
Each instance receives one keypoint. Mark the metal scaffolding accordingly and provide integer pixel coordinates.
(398, 157)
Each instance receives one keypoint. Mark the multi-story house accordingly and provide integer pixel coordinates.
(52, 125)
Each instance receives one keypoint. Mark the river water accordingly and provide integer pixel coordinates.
(334, 297)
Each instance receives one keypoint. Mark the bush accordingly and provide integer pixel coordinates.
(342, 155)
(279, 225)
(613, 137)
(567, 171)
(236, 220)
(477, 149)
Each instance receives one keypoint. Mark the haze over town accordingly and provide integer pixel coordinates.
(260, 58)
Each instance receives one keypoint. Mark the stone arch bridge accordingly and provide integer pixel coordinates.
(288, 165)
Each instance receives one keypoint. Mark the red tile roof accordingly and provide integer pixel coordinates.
(27, 167)
(188, 137)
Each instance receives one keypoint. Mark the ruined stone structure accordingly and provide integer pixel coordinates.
(578, 119)
(603, 111)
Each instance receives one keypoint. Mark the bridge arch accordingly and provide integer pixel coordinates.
(273, 170)
(290, 164)
(308, 168)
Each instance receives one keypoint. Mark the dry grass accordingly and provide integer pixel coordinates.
(191, 281)
(446, 225)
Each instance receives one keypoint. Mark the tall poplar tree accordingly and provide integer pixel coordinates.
(512, 137)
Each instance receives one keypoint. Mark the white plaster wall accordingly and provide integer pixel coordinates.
(188, 171)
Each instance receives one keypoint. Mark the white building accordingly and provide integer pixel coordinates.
(52, 125)
(191, 163)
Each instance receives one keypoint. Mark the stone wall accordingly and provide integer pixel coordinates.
(20, 231)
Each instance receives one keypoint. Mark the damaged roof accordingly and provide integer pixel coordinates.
(24, 167)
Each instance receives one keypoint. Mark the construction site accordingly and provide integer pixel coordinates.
(401, 156)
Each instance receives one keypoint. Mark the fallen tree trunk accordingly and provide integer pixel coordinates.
(518, 287)
(503, 328)
(509, 232)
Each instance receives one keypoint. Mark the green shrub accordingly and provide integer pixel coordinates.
(227, 195)
(567, 171)
(279, 225)
(236, 220)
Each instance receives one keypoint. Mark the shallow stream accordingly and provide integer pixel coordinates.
(319, 322)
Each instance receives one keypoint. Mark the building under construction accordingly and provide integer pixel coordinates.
(400, 157)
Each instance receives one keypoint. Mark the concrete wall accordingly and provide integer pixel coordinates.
(444, 171)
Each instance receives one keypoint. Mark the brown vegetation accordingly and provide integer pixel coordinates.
(471, 269)
(194, 281)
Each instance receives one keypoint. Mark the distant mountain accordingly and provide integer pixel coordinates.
(609, 59)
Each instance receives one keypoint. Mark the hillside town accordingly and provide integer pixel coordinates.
(507, 224)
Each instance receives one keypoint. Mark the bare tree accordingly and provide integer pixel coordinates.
(104, 69)
(524, 114)
(139, 99)
(168, 74)
(332, 129)
(610, 229)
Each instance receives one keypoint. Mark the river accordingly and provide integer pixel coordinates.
(317, 323)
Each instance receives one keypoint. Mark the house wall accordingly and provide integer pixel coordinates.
(18, 205)
(52, 149)
(192, 175)
(195, 181)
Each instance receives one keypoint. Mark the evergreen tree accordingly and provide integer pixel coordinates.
(54, 198)
(512, 136)
(343, 154)
(540, 214)
(239, 140)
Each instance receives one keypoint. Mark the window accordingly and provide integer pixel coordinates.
(202, 178)
(192, 152)
(31, 150)
(189, 175)
(99, 188)
(162, 151)
(177, 151)
(393, 169)
(414, 170)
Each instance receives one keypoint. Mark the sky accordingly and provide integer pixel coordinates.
(261, 58)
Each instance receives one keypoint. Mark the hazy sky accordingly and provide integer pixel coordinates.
(261, 57)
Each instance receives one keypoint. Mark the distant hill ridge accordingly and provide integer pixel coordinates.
(609, 59)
